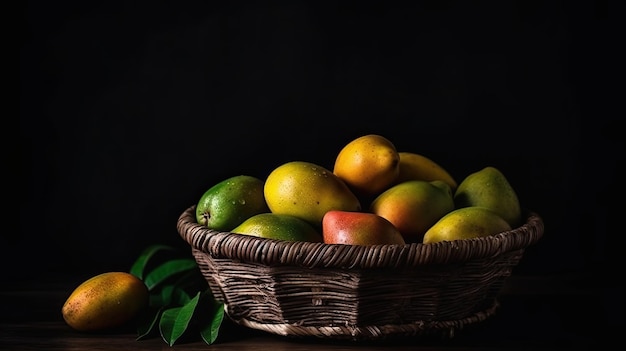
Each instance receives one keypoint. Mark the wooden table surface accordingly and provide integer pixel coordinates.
(535, 313)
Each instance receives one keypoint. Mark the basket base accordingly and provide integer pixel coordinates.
(445, 329)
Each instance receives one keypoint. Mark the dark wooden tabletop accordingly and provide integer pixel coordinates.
(538, 313)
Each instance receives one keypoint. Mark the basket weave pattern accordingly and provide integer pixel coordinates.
(356, 292)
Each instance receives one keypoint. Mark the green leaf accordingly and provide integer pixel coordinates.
(179, 297)
(210, 331)
(171, 276)
(174, 295)
(138, 267)
(157, 300)
(166, 324)
(168, 270)
(147, 325)
(174, 321)
(192, 280)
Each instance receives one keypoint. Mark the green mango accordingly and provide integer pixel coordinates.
(489, 188)
(228, 203)
(279, 226)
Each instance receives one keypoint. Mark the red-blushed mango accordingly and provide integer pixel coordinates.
(414, 206)
(358, 228)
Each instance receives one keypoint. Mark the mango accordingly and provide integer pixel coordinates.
(488, 187)
(228, 203)
(278, 226)
(359, 228)
(466, 223)
(414, 206)
(368, 164)
(105, 302)
(307, 191)
(414, 166)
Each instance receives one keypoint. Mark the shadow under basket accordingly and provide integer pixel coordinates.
(333, 291)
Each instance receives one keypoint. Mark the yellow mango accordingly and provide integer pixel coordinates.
(368, 164)
(307, 190)
(105, 301)
(415, 166)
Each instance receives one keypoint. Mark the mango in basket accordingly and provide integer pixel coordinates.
(228, 203)
(466, 223)
(278, 226)
(105, 301)
(489, 188)
(415, 166)
(359, 228)
(414, 206)
(307, 191)
(368, 164)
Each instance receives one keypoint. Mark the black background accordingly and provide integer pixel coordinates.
(130, 111)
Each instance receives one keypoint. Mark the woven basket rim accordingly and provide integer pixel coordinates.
(272, 252)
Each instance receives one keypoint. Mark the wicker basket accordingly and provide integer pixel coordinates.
(302, 289)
